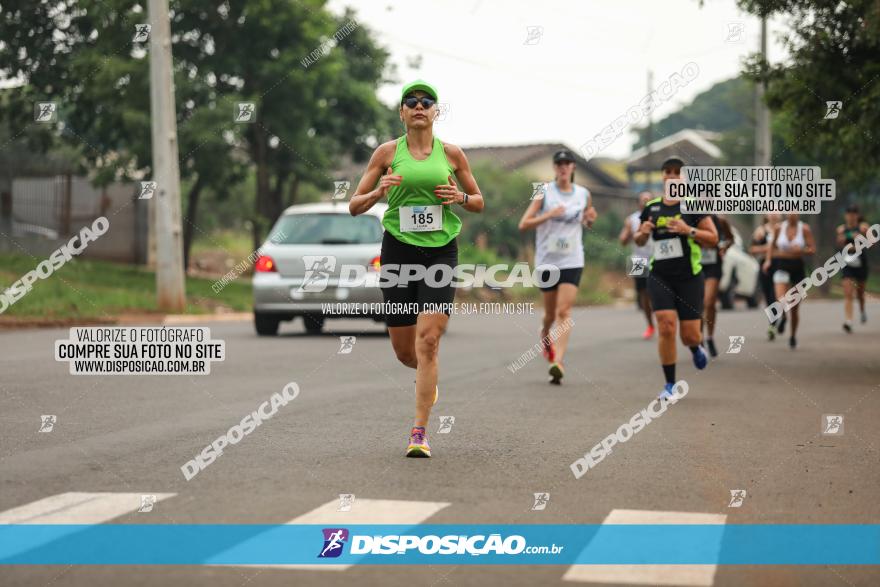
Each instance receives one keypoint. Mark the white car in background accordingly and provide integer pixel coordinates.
(739, 274)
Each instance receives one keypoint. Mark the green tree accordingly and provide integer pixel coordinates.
(81, 55)
(834, 55)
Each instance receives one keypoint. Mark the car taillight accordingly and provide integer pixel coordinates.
(375, 264)
(265, 264)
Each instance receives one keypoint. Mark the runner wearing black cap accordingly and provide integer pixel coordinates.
(856, 271)
(675, 281)
(416, 173)
(559, 212)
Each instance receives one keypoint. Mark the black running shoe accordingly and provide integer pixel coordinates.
(847, 328)
(711, 344)
(781, 328)
(792, 342)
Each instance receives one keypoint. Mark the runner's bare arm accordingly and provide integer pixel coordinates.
(378, 172)
(466, 180)
(810, 243)
(645, 228)
(758, 235)
(531, 219)
(706, 234)
(841, 239)
(625, 234)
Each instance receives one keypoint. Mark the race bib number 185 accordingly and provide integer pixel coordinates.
(421, 218)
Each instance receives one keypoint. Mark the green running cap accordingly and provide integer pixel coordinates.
(418, 85)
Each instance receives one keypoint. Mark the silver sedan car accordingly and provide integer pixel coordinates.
(298, 271)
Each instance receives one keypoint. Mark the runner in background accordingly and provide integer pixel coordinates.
(710, 259)
(792, 241)
(761, 241)
(855, 274)
(559, 218)
(675, 282)
(630, 228)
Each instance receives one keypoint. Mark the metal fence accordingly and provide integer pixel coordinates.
(38, 214)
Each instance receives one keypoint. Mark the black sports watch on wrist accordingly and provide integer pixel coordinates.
(693, 232)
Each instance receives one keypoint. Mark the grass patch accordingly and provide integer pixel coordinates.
(101, 289)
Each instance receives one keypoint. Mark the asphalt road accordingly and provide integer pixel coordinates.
(750, 421)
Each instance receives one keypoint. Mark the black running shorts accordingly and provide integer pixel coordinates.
(712, 271)
(404, 304)
(571, 275)
(684, 296)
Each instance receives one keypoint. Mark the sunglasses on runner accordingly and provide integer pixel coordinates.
(412, 101)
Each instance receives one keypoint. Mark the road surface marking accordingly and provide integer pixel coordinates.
(77, 508)
(363, 511)
(700, 575)
(74, 508)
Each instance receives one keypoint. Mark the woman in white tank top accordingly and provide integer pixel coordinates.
(792, 241)
(559, 211)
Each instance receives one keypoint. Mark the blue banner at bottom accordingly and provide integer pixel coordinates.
(481, 544)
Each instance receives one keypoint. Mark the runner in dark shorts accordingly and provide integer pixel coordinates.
(675, 281)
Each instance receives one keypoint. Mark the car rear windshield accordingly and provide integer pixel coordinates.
(328, 228)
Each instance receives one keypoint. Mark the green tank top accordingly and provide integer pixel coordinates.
(417, 189)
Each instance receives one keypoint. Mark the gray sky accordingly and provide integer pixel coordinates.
(588, 66)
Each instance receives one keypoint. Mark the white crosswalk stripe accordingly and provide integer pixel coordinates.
(75, 508)
(697, 575)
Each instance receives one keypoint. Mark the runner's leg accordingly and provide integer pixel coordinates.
(564, 301)
(645, 303)
(848, 288)
(667, 322)
(709, 303)
(860, 292)
(428, 330)
(403, 341)
(549, 311)
(690, 332)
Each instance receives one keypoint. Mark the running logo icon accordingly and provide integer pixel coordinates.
(735, 32)
(533, 35)
(833, 109)
(340, 189)
(639, 265)
(538, 190)
(47, 423)
(334, 540)
(148, 188)
(736, 344)
(832, 424)
(737, 497)
(446, 423)
(318, 270)
(541, 501)
(141, 33)
(346, 500)
(346, 344)
(442, 111)
(147, 503)
(245, 112)
(45, 112)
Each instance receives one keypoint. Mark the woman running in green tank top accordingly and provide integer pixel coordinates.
(418, 173)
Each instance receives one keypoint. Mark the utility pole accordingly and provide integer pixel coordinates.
(649, 132)
(762, 115)
(170, 287)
